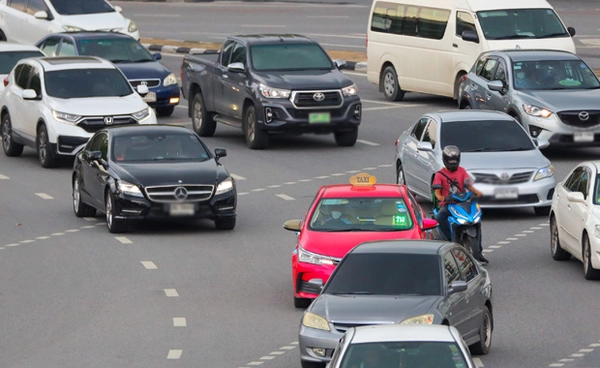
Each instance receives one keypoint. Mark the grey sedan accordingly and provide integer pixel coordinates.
(554, 94)
(399, 282)
(504, 161)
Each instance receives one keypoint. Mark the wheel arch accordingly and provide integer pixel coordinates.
(193, 90)
(457, 78)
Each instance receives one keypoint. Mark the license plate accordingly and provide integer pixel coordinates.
(319, 117)
(181, 209)
(506, 193)
(150, 97)
(583, 137)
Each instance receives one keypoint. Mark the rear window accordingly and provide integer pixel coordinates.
(81, 83)
(9, 59)
(290, 56)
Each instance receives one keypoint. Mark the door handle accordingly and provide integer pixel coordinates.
(225, 76)
(488, 96)
(454, 45)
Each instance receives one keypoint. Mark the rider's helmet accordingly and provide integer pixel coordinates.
(451, 157)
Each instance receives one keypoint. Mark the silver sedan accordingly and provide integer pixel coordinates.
(504, 161)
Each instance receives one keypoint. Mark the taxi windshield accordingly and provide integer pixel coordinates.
(361, 214)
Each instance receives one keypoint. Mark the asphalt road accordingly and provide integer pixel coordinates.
(186, 295)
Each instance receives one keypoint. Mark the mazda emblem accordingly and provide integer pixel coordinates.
(584, 116)
(181, 193)
(108, 120)
(318, 96)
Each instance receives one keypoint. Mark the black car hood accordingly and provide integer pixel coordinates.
(305, 79)
(373, 308)
(170, 173)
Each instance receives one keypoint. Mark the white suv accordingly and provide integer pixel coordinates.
(27, 21)
(56, 104)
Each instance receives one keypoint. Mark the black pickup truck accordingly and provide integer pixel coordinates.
(271, 84)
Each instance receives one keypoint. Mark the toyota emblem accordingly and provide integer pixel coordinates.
(181, 193)
(584, 116)
(144, 83)
(108, 120)
(318, 96)
(504, 176)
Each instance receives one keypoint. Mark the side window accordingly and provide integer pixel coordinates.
(35, 6)
(419, 128)
(35, 83)
(466, 265)
(409, 23)
(100, 143)
(67, 48)
(432, 23)
(23, 76)
(479, 65)
(584, 183)
(20, 5)
(464, 22)
(451, 268)
(487, 72)
(572, 183)
(239, 54)
(501, 74)
(431, 133)
(416, 209)
(50, 45)
(226, 52)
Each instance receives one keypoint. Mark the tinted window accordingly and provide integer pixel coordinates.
(451, 268)
(100, 143)
(238, 55)
(18, 4)
(501, 74)
(167, 147)
(555, 75)
(50, 45)
(409, 20)
(114, 49)
(466, 266)
(431, 133)
(386, 274)
(81, 83)
(226, 52)
(597, 190)
(67, 48)
(23, 75)
(419, 128)
(487, 71)
(298, 56)
(9, 59)
(35, 6)
(464, 22)
(35, 83)
(584, 183)
(486, 136)
(70, 7)
(572, 183)
(521, 23)
(432, 23)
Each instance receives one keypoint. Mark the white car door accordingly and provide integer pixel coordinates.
(13, 98)
(33, 28)
(578, 213)
(12, 20)
(31, 108)
(565, 213)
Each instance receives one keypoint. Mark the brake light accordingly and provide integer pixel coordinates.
(463, 78)
(397, 141)
(5, 81)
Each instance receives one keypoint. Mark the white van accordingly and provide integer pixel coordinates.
(428, 45)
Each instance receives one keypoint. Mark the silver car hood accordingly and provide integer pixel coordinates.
(491, 161)
(564, 99)
(379, 309)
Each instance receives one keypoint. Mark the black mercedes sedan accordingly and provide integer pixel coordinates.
(136, 172)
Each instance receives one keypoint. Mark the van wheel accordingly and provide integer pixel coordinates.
(202, 121)
(390, 86)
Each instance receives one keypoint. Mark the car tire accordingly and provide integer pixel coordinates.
(465, 106)
(589, 272)
(202, 121)
(457, 85)
(81, 209)
(9, 146)
(114, 226)
(390, 86)
(542, 211)
(346, 139)
(165, 111)
(482, 347)
(307, 364)
(227, 223)
(2, 36)
(302, 302)
(255, 138)
(46, 157)
(558, 254)
(400, 177)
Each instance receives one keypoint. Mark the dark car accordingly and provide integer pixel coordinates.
(138, 172)
(400, 281)
(138, 65)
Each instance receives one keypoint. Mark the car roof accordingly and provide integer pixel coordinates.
(381, 333)
(74, 62)
(376, 190)
(143, 129)
(468, 115)
(401, 246)
(535, 55)
(91, 35)
(265, 39)
(11, 46)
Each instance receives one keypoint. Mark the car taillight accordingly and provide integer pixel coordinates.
(397, 140)
(463, 78)
(5, 81)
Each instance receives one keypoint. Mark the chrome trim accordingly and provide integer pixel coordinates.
(339, 91)
(166, 193)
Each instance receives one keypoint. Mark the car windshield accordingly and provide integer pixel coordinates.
(405, 354)
(83, 83)
(386, 274)
(520, 24)
(554, 75)
(8, 59)
(71, 7)
(361, 214)
(486, 136)
(163, 147)
(289, 56)
(116, 50)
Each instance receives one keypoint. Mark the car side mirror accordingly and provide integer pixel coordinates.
(118, 9)
(42, 14)
(496, 85)
(142, 89)
(340, 64)
(236, 68)
(470, 36)
(575, 197)
(457, 287)
(29, 94)
(220, 152)
(425, 146)
(571, 31)
(292, 225)
(429, 223)
(157, 56)
(541, 143)
(95, 155)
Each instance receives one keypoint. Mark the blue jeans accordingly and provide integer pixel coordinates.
(442, 219)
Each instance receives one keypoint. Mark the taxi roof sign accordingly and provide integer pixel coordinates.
(363, 180)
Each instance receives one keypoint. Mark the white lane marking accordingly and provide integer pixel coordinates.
(503, 242)
(255, 363)
(294, 343)
(58, 234)
(556, 365)
(174, 354)
(162, 15)
(276, 353)
(528, 231)
(26, 241)
(44, 196)
(3, 177)
(595, 345)
(304, 180)
(385, 165)
(369, 168)
(71, 231)
(42, 237)
(88, 227)
(521, 235)
(487, 250)
(290, 183)
(171, 293)
(101, 223)
(258, 190)
(179, 322)
(285, 197)
(586, 350)
(264, 25)
(237, 177)
(287, 348)
(544, 224)
(267, 357)
(327, 16)
(352, 171)
(2, 248)
(274, 186)
(577, 355)
(149, 265)
(11, 245)
(383, 108)
(322, 177)
(338, 174)
(495, 246)
(123, 240)
(242, 193)
(535, 228)
(368, 143)
(478, 362)
(513, 239)
(90, 219)
(567, 360)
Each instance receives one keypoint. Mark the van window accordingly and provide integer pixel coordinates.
(464, 22)
(432, 23)
(409, 23)
(521, 23)
(409, 20)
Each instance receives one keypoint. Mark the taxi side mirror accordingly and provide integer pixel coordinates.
(429, 223)
(292, 225)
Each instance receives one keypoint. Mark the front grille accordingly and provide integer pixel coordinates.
(92, 124)
(167, 193)
(149, 82)
(306, 99)
(341, 327)
(516, 178)
(574, 118)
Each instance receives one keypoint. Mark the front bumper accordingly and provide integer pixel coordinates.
(531, 194)
(555, 131)
(165, 96)
(311, 338)
(303, 272)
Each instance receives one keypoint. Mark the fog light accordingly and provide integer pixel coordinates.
(268, 114)
(534, 131)
(357, 112)
(319, 351)
(174, 100)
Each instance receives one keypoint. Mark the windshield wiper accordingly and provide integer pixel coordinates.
(120, 61)
(512, 149)
(554, 35)
(352, 293)
(339, 230)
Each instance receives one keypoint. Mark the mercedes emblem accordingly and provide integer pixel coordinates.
(181, 193)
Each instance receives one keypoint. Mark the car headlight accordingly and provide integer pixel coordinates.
(307, 257)
(351, 90)
(129, 189)
(537, 111)
(224, 186)
(270, 92)
(544, 172)
(425, 319)
(315, 321)
(142, 114)
(65, 117)
(169, 80)
(71, 28)
(132, 27)
(597, 231)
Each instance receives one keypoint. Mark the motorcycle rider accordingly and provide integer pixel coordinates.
(451, 179)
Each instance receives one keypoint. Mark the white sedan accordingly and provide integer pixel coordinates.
(575, 218)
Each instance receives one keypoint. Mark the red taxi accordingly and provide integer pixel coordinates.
(344, 215)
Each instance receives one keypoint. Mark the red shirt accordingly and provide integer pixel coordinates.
(453, 182)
